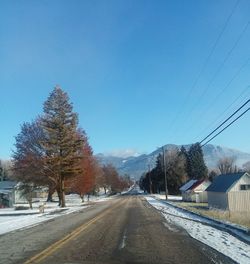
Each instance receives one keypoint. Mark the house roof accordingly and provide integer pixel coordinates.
(5, 185)
(224, 182)
(191, 185)
(187, 185)
(196, 184)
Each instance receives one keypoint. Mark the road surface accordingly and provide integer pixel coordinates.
(123, 230)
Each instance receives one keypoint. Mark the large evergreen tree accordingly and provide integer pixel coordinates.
(62, 144)
(196, 167)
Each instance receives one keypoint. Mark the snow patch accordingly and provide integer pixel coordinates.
(12, 220)
(199, 228)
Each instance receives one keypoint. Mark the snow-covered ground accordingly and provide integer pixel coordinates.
(170, 197)
(200, 229)
(11, 220)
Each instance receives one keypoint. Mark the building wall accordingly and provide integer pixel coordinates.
(239, 201)
(196, 197)
(217, 200)
(201, 197)
(186, 197)
(243, 180)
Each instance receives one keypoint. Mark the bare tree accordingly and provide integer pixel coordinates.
(176, 172)
(227, 165)
(246, 166)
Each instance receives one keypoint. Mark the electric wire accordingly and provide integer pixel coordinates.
(215, 75)
(226, 126)
(199, 100)
(204, 65)
(215, 99)
(225, 110)
(233, 114)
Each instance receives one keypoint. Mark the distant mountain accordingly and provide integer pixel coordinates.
(136, 166)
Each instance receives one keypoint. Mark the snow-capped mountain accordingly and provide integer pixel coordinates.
(136, 166)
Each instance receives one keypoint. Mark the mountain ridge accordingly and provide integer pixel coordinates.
(136, 166)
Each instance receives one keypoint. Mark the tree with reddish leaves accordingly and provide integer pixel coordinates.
(28, 159)
(112, 180)
(84, 182)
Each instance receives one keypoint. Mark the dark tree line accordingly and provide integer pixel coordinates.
(181, 165)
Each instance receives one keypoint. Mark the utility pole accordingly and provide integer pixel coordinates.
(165, 173)
(150, 182)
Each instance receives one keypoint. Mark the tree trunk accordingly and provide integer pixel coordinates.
(82, 197)
(59, 196)
(63, 204)
(50, 194)
(30, 200)
(30, 203)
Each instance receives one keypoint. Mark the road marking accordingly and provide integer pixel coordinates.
(51, 249)
(123, 243)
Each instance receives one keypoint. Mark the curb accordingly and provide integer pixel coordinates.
(19, 214)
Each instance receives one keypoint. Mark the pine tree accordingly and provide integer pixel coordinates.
(197, 168)
(62, 145)
(185, 156)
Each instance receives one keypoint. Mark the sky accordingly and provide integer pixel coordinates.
(140, 74)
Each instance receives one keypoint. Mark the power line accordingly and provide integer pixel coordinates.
(215, 46)
(205, 63)
(218, 71)
(215, 99)
(221, 66)
(227, 126)
(234, 113)
(225, 110)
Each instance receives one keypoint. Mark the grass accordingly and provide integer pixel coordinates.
(239, 218)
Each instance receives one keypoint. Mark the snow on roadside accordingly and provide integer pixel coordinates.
(12, 223)
(11, 220)
(213, 237)
(170, 197)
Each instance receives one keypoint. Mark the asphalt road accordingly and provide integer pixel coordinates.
(124, 230)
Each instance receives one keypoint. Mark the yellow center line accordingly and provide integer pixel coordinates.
(51, 249)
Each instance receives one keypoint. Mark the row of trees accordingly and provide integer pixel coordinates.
(180, 165)
(53, 151)
(226, 165)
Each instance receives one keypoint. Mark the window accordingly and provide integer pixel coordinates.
(244, 187)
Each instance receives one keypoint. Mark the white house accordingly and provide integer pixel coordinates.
(230, 192)
(7, 193)
(10, 194)
(195, 191)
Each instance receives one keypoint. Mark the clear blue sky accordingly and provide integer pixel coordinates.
(128, 67)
